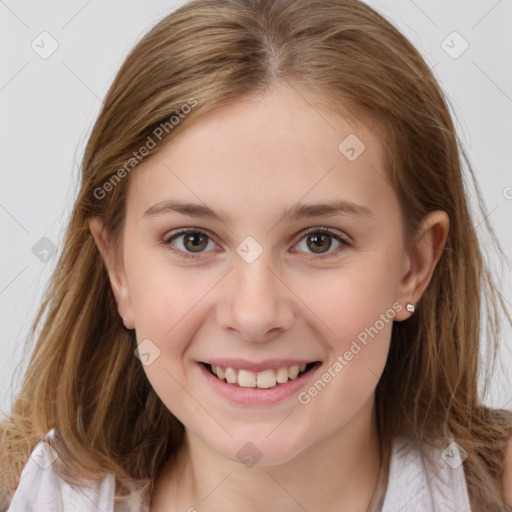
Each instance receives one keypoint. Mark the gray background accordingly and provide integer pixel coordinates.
(48, 106)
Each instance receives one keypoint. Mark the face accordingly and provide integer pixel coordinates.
(267, 282)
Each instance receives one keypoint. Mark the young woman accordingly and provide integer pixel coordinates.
(270, 291)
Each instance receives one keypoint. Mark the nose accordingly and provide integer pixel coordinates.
(256, 304)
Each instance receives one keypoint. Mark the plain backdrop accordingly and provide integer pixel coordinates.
(49, 102)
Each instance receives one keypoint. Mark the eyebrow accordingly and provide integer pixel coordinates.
(296, 212)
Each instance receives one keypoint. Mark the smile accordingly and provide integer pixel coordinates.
(265, 379)
(264, 384)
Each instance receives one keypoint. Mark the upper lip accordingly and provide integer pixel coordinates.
(256, 366)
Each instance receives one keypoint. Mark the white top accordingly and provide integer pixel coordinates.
(41, 490)
(408, 484)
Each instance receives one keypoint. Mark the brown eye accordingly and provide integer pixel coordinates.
(188, 243)
(195, 242)
(319, 243)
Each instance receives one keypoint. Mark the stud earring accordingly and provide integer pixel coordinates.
(410, 307)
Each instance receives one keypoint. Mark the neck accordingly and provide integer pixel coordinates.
(339, 473)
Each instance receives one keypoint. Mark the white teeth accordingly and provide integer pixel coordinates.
(293, 371)
(246, 379)
(264, 380)
(230, 375)
(219, 372)
(282, 375)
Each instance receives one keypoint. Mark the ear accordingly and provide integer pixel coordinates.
(421, 260)
(115, 271)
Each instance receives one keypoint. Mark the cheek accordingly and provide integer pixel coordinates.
(348, 300)
(169, 309)
(357, 312)
(356, 306)
(164, 295)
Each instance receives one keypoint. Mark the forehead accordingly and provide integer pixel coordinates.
(265, 150)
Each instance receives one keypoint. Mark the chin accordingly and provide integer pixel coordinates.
(261, 451)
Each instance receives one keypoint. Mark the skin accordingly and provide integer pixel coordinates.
(252, 159)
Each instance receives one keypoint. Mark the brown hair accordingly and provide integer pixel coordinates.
(83, 379)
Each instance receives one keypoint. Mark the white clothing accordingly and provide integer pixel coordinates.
(408, 489)
(41, 490)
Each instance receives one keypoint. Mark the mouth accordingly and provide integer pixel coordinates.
(265, 379)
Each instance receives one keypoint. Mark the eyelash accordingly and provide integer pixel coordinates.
(166, 241)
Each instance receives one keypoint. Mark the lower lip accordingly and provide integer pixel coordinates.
(257, 396)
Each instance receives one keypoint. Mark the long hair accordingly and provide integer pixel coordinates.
(82, 377)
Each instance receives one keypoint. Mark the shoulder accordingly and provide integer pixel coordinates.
(41, 487)
(507, 473)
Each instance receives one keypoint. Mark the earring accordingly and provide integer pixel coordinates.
(410, 307)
